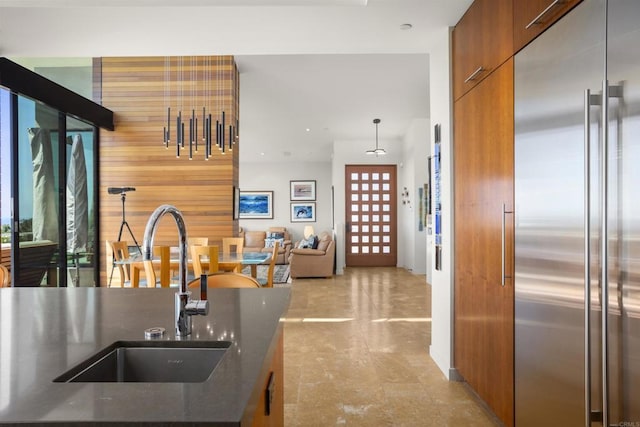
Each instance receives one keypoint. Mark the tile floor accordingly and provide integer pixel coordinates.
(356, 353)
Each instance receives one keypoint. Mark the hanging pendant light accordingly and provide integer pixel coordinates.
(377, 151)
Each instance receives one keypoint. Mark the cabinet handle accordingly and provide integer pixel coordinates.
(503, 272)
(474, 74)
(536, 20)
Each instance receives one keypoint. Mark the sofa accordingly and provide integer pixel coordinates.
(313, 262)
(261, 241)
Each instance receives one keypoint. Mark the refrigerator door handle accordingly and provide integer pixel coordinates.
(503, 272)
(589, 101)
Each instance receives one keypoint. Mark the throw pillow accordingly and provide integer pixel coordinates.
(315, 242)
(270, 242)
(306, 243)
(275, 235)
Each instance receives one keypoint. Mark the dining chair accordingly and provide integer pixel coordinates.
(268, 281)
(197, 241)
(210, 252)
(231, 245)
(152, 279)
(4, 276)
(226, 279)
(120, 251)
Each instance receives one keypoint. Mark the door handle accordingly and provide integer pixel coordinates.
(536, 20)
(474, 74)
(503, 272)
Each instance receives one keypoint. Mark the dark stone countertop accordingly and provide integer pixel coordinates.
(45, 332)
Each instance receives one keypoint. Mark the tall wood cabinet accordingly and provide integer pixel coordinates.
(483, 197)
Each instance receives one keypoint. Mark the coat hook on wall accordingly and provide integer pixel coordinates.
(405, 197)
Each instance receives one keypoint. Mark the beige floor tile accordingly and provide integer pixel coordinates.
(356, 354)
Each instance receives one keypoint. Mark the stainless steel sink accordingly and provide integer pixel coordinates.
(150, 361)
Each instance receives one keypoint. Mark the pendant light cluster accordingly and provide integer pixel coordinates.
(377, 151)
(204, 102)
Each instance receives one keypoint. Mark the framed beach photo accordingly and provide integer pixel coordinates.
(303, 212)
(256, 204)
(303, 190)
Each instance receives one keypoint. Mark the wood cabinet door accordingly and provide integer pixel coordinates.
(482, 40)
(532, 17)
(483, 197)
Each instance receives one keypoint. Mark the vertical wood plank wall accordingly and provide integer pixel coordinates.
(136, 90)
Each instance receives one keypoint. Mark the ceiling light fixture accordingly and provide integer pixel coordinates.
(377, 151)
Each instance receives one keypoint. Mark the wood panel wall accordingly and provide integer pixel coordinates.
(138, 91)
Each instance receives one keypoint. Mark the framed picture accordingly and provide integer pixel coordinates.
(303, 212)
(303, 190)
(236, 202)
(256, 204)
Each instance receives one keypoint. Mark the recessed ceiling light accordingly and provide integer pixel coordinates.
(308, 130)
(406, 26)
(262, 154)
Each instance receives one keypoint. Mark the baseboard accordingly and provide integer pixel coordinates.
(454, 375)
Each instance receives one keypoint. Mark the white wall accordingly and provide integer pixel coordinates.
(413, 171)
(276, 177)
(441, 349)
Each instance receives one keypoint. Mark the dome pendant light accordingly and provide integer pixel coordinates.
(377, 151)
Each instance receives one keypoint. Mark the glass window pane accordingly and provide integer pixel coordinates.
(386, 197)
(386, 176)
(365, 249)
(386, 208)
(376, 218)
(354, 228)
(386, 229)
(365, 228)
(365, 239)
(376, 208)
(355, 239)
(376, 228)
(365, 176)
(365, 208)
(355, 207)
(375, 187)
(365, 197)
(355, 218)
(354, 187)
(365, 218)
(354, 197)
(354, 176)
(375, 239)
(355, 249)
(386, 218)
(376, 249)
(386, 239)
(365, 187)
(375, 176)
(385, 186)
(375, 197)
(386, 249)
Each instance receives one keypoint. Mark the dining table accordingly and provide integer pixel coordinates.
(252, 259)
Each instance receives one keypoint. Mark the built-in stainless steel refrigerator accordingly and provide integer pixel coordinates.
(577, 220)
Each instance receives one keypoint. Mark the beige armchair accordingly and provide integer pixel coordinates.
(254, 241)
(314, 262)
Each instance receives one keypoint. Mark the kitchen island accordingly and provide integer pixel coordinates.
(45, 332)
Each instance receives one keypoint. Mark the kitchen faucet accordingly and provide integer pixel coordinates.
(184, 305)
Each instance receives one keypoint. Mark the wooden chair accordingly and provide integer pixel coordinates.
(4, 276)
(152, 280)
(231, 245)
(197, 241)
(227, 280)
(268, 282)
(204, 251)
(121, 252)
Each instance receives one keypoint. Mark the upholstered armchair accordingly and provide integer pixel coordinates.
(258, 241)
(307, 262)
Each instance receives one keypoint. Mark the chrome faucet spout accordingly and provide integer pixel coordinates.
(185, 307)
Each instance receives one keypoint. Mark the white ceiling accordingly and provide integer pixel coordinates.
(328, 65)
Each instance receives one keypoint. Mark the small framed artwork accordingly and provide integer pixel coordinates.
(256, 204)
(303, 212)
(236, 202)
(303, 190)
